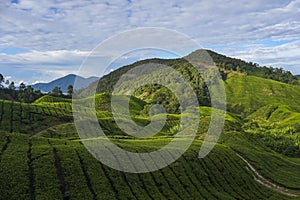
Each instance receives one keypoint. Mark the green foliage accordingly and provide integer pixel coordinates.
(56, 92)
(70, 90)
(26, 95)
(277, 127)
(227, 64)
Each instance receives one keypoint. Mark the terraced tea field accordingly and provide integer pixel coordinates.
(45, 168)
(42, 157)
(31, 118)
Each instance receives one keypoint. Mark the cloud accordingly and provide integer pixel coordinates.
(36, 82)
(59, 57)
(47, 65)
(59, 34)
(7, 77)
(21, 81)
(82, 24)
(286, 55)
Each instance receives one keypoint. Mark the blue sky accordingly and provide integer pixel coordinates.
(46, 39)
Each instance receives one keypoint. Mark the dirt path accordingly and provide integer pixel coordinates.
(260, 179)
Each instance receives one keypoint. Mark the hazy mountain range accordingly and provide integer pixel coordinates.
(64, 82)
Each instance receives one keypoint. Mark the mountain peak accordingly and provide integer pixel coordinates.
(201, 56)
(71, 75)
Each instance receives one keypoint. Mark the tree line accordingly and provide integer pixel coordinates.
(26, 93)
(227, 64)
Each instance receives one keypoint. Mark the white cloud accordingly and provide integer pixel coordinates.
(60, 34)
(59, 57)
(41, 64)
(285, 55)
(7, 77)
(21, 81)
(36, 82)
(55, 25)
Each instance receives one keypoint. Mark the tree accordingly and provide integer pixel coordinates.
(29, 90)
(56, 91)
(22, 86)
(70, 90)
(11, 86)
(38, 93)
(1, 80)
(29, 94)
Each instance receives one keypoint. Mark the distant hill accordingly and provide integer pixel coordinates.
(225, 64)
(246, 72)
(64, 82)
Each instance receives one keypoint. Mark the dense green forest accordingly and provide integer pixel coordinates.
(227, 64)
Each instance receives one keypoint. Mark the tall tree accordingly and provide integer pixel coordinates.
(1, 80)
(11, 86)
(22, 86)
(70, 90)
(29, 93)
(56, 91)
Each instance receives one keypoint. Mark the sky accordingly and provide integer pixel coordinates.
(46, 39)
